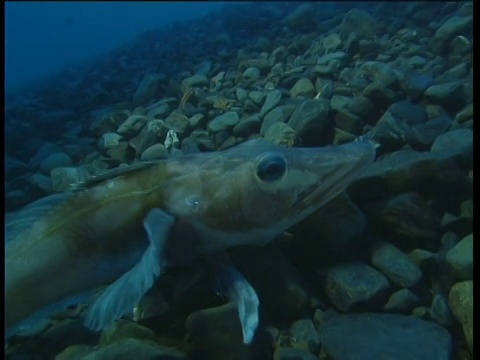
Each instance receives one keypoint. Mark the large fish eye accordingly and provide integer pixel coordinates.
(271, 167)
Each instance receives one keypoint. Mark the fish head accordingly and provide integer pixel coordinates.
(262, 188)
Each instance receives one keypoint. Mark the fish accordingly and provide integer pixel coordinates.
(123, 229)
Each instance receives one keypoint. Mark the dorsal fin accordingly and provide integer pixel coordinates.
(110, 174)
(19, 221)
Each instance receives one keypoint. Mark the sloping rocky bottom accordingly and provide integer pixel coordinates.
(383, 271)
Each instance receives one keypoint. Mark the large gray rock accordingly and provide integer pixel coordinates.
(251, 74)
(329, 64)
(109, 140)
(380, 72)
(156, 151)
(403, 300)
(76, 151)
(204, 68)
(179, 123)
(279, 114)
(440, 311)
(281, 134)
(339, 102)
(454, 25)
(54, 161)
(202, 139)
(330, 59)
(305, 334)
(423, 135)
(311, 121)
(355, 286)
(152, 133)
(272, 100)
(194, 81)
(448, 94)
(42, 183)
(408, 113)
(65, 177)
(121, 153)
(332, 42)
(247, 126)
(460, 258)
(216, 333)
(258, 97)
(360, 22)
(361, 106)
(197, 121)
(109, 122)
(409, 222)
(395, 265)
(262, 64)
(132, 125)
(415, 84)
(303, 87)
(461, 303)
(461, 225)
(465, 114)
(457, 142)
(404, 122)
(223, 122)
(328, 224)
(433, 175)
(381, 95)
(390, 132)
(349, 122)
(158, 110)
(147, 89)
(383, 336)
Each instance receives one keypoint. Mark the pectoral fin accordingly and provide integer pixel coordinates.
(238, 290)
(122, 295)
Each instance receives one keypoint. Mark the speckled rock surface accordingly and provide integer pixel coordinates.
(350, 337)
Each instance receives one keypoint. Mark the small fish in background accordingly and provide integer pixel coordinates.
(124, 228)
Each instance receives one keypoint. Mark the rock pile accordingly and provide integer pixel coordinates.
(382, 271)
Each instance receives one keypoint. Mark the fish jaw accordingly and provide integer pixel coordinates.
(333, 169)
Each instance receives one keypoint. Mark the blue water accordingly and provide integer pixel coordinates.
(44, 37)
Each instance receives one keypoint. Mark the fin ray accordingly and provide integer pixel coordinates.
(112, 173)
(123, 294)
(238, 290)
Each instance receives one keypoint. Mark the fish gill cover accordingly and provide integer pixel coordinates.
(384, 268)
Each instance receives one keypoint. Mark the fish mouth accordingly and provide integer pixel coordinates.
(343, 165)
